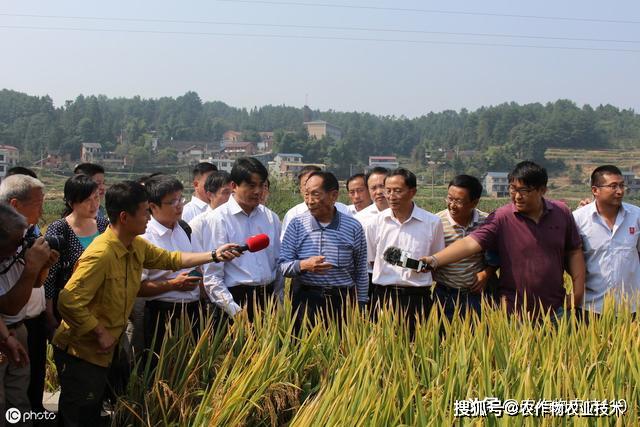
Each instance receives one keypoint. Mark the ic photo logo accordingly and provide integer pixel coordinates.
(13, 415)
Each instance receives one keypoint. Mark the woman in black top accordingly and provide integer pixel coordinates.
(78, 226)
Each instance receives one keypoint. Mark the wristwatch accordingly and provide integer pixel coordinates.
(214, 257)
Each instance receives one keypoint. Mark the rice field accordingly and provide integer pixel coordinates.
(373, 374)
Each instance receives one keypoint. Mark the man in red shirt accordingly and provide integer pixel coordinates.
(533, 237)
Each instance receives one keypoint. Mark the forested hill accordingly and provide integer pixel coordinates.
(498, 134)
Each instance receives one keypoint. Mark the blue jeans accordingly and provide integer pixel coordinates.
(449, 298)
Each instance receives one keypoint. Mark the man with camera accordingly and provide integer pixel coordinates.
(23, 266)
(26, 195)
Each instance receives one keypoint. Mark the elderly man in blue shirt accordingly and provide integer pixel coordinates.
(326, 253)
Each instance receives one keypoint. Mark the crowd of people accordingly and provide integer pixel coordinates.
(123, 264)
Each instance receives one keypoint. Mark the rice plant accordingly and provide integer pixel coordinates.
(373, 374)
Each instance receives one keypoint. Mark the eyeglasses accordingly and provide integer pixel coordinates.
(524, 191)
(176, 202)
(454, 202)
(613, 187)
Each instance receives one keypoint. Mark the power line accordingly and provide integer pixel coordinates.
(333, 38)
(321, 27)
(435, 11)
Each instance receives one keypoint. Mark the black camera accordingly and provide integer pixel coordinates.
(55, 241)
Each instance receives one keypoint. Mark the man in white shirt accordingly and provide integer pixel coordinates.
(249, 280)
(219, 189)
(610, 232)
(358, 193)
(21, 270)
(375, 185)
(200, 200)
(26, 195)
(411, 229)
(301, 208)
(168, 294)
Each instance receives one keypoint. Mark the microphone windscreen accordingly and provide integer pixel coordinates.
(392, 255)
(258, 242)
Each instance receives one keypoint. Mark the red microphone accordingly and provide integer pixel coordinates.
(255, 243)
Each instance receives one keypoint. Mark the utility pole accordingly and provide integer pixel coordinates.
(433, 178)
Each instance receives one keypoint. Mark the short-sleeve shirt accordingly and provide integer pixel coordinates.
(611, 255)
(461, 274)
(7, 282)
(532, 256)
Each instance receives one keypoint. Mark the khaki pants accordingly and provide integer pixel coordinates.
(14, 381)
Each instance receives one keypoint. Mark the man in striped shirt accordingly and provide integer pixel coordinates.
(301, 208)
(325, 251)
(462, 283)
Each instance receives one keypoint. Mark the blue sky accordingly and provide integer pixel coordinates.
(382, 77)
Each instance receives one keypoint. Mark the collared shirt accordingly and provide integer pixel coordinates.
(197, 225)
(366, 217)
(461, 274)
(343, 244)
(611, 256)
(301, 208)
(7, 282)
(532, 256)
(352, 209)
(193, 208)
(421, 234)
(175, 239)
(60, 272)
(230, 224)
(102, 290)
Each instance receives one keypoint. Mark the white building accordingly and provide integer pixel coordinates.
(91, 152)
(496, 184)
(631, 180)
(9, 156)
(319, 128)
(389, 162)
(221, 164)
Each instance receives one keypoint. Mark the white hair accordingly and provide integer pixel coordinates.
(18, 187)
